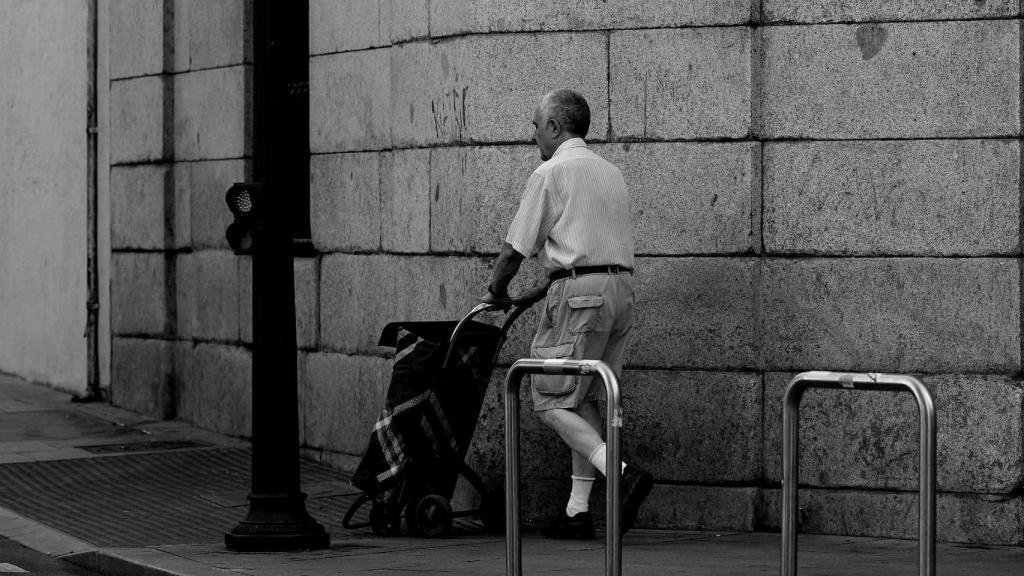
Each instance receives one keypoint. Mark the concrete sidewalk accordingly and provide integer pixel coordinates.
(124, 495)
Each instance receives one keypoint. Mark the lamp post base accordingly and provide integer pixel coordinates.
(277, 523)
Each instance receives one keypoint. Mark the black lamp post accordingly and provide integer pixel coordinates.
(277, 518)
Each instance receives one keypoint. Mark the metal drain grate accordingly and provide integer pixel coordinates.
(170, 497)
(135, 499)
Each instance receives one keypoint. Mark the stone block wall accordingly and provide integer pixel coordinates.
(816, 185)
(180, 136)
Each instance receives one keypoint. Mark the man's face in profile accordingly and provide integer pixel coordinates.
(543, 132)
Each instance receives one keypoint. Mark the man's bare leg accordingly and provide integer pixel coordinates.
(576, 428)
(579, 429)
(581, 465)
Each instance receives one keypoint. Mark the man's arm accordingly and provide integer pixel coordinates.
(505, 269)
(526, 230)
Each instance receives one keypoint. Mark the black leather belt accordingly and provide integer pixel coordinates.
(581, 270)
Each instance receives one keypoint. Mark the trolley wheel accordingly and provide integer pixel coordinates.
(492, 511)
(433, 516)
(383, 521)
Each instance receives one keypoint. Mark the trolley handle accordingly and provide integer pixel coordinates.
(514, 312)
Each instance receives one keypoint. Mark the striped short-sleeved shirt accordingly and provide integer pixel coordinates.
(574, 212)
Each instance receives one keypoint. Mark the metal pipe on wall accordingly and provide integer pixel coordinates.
(92, 307)
(103, 248)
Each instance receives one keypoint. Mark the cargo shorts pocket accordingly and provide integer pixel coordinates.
(585, 313)
(555, 385)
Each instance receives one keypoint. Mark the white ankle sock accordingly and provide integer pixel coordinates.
(598, 458)
(579, 498)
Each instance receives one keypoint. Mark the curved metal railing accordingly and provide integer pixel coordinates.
(613, 421)
(791, 453)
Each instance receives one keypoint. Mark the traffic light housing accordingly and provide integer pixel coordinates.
(245, 200)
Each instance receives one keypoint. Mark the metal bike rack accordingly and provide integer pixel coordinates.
(791, 453)
(613, 419)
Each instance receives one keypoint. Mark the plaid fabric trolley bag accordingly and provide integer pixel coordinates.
(417, 448)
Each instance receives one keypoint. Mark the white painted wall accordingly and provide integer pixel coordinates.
(43, 179)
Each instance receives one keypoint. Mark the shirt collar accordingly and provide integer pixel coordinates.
(570, 143)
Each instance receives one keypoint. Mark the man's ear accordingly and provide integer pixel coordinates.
(556, 128)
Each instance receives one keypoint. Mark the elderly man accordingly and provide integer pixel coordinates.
(575, 213)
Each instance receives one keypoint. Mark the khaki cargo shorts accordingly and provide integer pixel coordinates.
(587, 317)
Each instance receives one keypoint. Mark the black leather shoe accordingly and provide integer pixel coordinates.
(636, 485)
(564, 527)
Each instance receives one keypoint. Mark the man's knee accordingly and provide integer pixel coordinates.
(550, 417)
(554, 417)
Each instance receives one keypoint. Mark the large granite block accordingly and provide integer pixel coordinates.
(353, 301)
(245, 298)
(436, 288)
(406, 19)
(692, 198)
(340, 399)
(981, 518)
(710, 435)
(212, 114)
(969, 518)
(180, 211)
(180, 28)
(475, 192)
(207, 296)
(700, 508)
(893, 315)
(349, 98)
(140, 110)
(345, 201)
(307, 302)
(449, 17)
(485, 88)
(405, 201)
(141, 292)
(347, 25)
(208, 184)
(688, 83)
(542, 455)
(142, 376)
(875, 10)
(870, 439)
(215, 387)
(710, 508)
(136, 38)
(914, 197)
(697, 313)
(360, 294)
(219, 33)
(142, 202)
(921, 80)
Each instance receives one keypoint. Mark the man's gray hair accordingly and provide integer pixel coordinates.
(571, 110)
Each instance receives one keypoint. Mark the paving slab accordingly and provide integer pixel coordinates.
(645, 552)
(163, 513)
